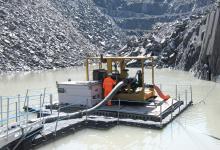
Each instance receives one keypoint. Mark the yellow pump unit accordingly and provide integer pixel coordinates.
(134, 91)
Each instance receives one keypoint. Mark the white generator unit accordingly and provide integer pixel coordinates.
(80, 93)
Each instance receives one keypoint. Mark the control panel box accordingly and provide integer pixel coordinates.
(79, 93)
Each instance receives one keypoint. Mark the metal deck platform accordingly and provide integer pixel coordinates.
(155, 113)
(155, 110)
(107, 117)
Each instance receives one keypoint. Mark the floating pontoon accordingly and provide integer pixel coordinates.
(82, 104)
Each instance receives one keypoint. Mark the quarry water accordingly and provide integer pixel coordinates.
(198, 128)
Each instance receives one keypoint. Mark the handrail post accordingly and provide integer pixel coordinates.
(44, 97)
(119, 107)
(40, 106)
(51, 102)
(1, 107)
(27, 111)
(179, 100)
(191, 95)
(16, 112)
(87, 103)
(19, 109)
(58, 116)
(160, 113)
(7, 116)
(172, 109)
(25, 100)
(186, 96)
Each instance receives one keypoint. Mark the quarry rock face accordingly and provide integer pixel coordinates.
(189, 44)
(47, 34)
(136, 16)
(208, 65)
(173, 44)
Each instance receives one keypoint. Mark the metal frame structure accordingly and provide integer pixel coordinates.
(142, 95)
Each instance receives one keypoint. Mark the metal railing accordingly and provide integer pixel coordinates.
(16, 111)
(181, 93)
(67, 115)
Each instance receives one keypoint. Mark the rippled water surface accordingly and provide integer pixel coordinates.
(197, 128)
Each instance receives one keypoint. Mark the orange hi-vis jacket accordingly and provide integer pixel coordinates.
(108, 85)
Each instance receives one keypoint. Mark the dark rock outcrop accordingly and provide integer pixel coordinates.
(208, 65)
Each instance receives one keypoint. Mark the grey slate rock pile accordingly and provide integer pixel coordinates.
(87, 18)
(47, 34)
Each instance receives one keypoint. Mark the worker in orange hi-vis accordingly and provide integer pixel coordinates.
(108, 84)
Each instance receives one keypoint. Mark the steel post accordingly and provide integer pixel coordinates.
(16, 112)
(44, 97)
(19, 110)
(40, 106)
(27, 109)
(1, 107)
(160, 113)
(58, 116)
(26, 97)
(186, 96)
(172, 109)
(119, 107)
(191, 95)
(51, 102)
(7, 116)
(179, 100)
(87, 103)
